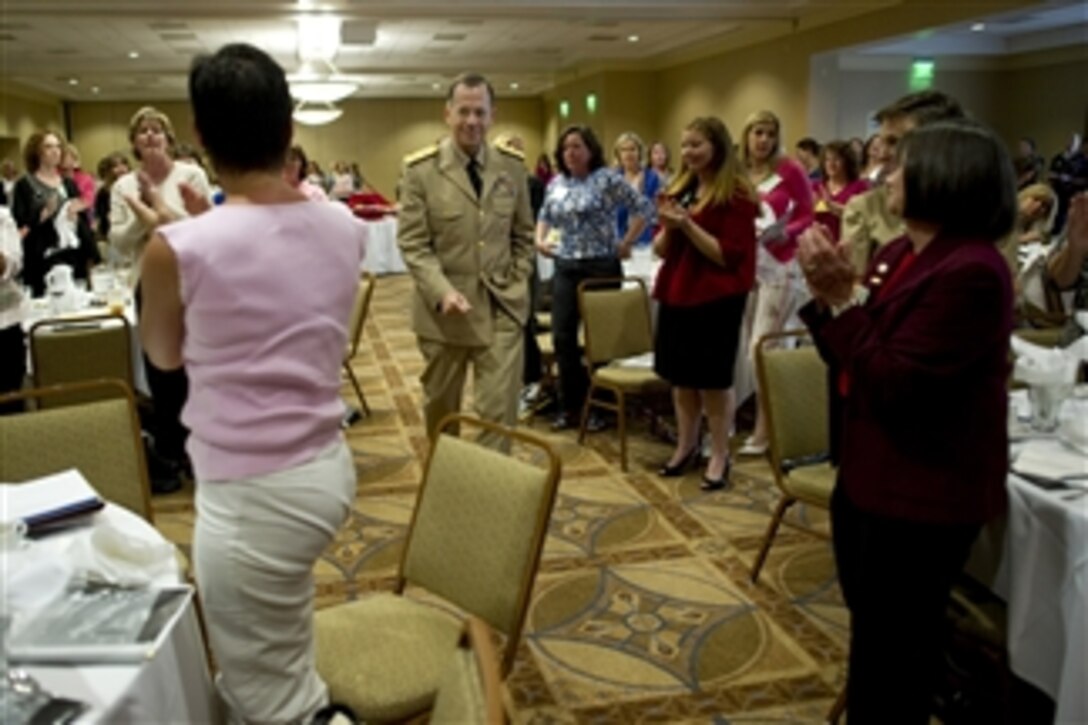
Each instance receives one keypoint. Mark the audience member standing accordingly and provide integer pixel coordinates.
(839, 184)
(581, 204)
(52, 218)
(160, 191)
(253, 297)
(630, 157)
(786, 211)
(867, 224)
(465, 232)
(708, 244)
(12, 340)
(929, 331)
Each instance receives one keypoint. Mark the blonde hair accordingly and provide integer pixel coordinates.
(756, 119)
(629, 137)
(150, 113)
(729, 178)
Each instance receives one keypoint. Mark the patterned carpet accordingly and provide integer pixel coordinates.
(642, 610)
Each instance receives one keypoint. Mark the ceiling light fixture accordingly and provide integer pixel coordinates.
(316, 114)
(978, 27)
(133, 54)
(318, 37)
(632, 38)
(94, 89)
(73, 81)
(514, 86)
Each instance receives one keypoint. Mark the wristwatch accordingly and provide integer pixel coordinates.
(857, 298)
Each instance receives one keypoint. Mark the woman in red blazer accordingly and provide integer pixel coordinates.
(918, 356)
(708, 244)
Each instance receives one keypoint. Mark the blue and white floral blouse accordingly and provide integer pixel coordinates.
(584, 211)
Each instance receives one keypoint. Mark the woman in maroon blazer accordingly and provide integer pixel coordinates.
(918, 360)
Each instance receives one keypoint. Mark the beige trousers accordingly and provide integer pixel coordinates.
(496, 372)
(254, 547)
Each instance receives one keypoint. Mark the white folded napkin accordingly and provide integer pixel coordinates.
(1052, 460)
(124, 550)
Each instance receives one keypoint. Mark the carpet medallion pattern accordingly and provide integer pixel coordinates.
(643, 609)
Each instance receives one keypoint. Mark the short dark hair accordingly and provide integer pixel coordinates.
(470, 80)
(924, 107)
(958, 175)
(596, 153)
(32, 149)
(241, 108)
(105, 166)
(845, 151)
(809, 144)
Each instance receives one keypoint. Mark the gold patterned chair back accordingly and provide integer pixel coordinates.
(793, 383)
(479, 526)
(100, 438)
(90, 348)
(616, 316)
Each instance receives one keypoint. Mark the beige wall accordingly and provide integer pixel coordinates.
(21, 116)
(775, 75)
(376, 134)
(1045, 96)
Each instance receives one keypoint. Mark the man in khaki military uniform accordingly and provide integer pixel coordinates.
(466, 234)
(867, 224)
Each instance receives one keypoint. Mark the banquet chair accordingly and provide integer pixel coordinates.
(793, 383)
(616, 317)
(473, 545)
(100, 438)
(75, 350)
(356, 324)
(470, 690)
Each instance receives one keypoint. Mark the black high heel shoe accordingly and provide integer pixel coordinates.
(717, 484)
(689, 460)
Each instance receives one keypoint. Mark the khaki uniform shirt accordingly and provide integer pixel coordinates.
(452, 240)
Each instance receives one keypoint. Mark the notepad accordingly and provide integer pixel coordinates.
(48, 501)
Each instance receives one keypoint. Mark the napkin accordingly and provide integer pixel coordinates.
(1053, 460)
(33, 577)
(125, 551)
(1037, 365)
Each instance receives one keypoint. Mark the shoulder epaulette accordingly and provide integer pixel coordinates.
(424, 153)
(510, 151)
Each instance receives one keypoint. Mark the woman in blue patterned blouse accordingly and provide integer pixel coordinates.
(582, 203)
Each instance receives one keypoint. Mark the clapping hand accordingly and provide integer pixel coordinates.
(670, 213)
(195, 202)
(826, 265)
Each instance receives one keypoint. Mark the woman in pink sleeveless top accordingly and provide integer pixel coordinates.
(253, 297)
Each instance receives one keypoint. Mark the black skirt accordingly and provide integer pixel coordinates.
(696, 347)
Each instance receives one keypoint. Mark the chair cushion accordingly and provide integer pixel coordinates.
(812, 484)
(384, 655)
(631, 379)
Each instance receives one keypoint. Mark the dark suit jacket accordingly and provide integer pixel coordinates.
(922, 433)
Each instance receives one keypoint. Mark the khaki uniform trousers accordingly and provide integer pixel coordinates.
(496, 371)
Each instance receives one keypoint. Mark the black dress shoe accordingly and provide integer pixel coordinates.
(689, 460)
(717, 484)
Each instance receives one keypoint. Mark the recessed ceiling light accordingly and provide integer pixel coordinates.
(94, 89)
(978, 27)
(632, 38)
(133, 54)
(514, 86)
(436, 86)
(73, 81)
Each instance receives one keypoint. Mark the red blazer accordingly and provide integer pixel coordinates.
(688, 278)
(922, 433)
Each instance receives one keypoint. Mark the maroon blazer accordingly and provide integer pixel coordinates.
(922, 432)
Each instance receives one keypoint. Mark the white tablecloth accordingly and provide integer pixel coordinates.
(1043, 575)
(172, 687)
(382, 253)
